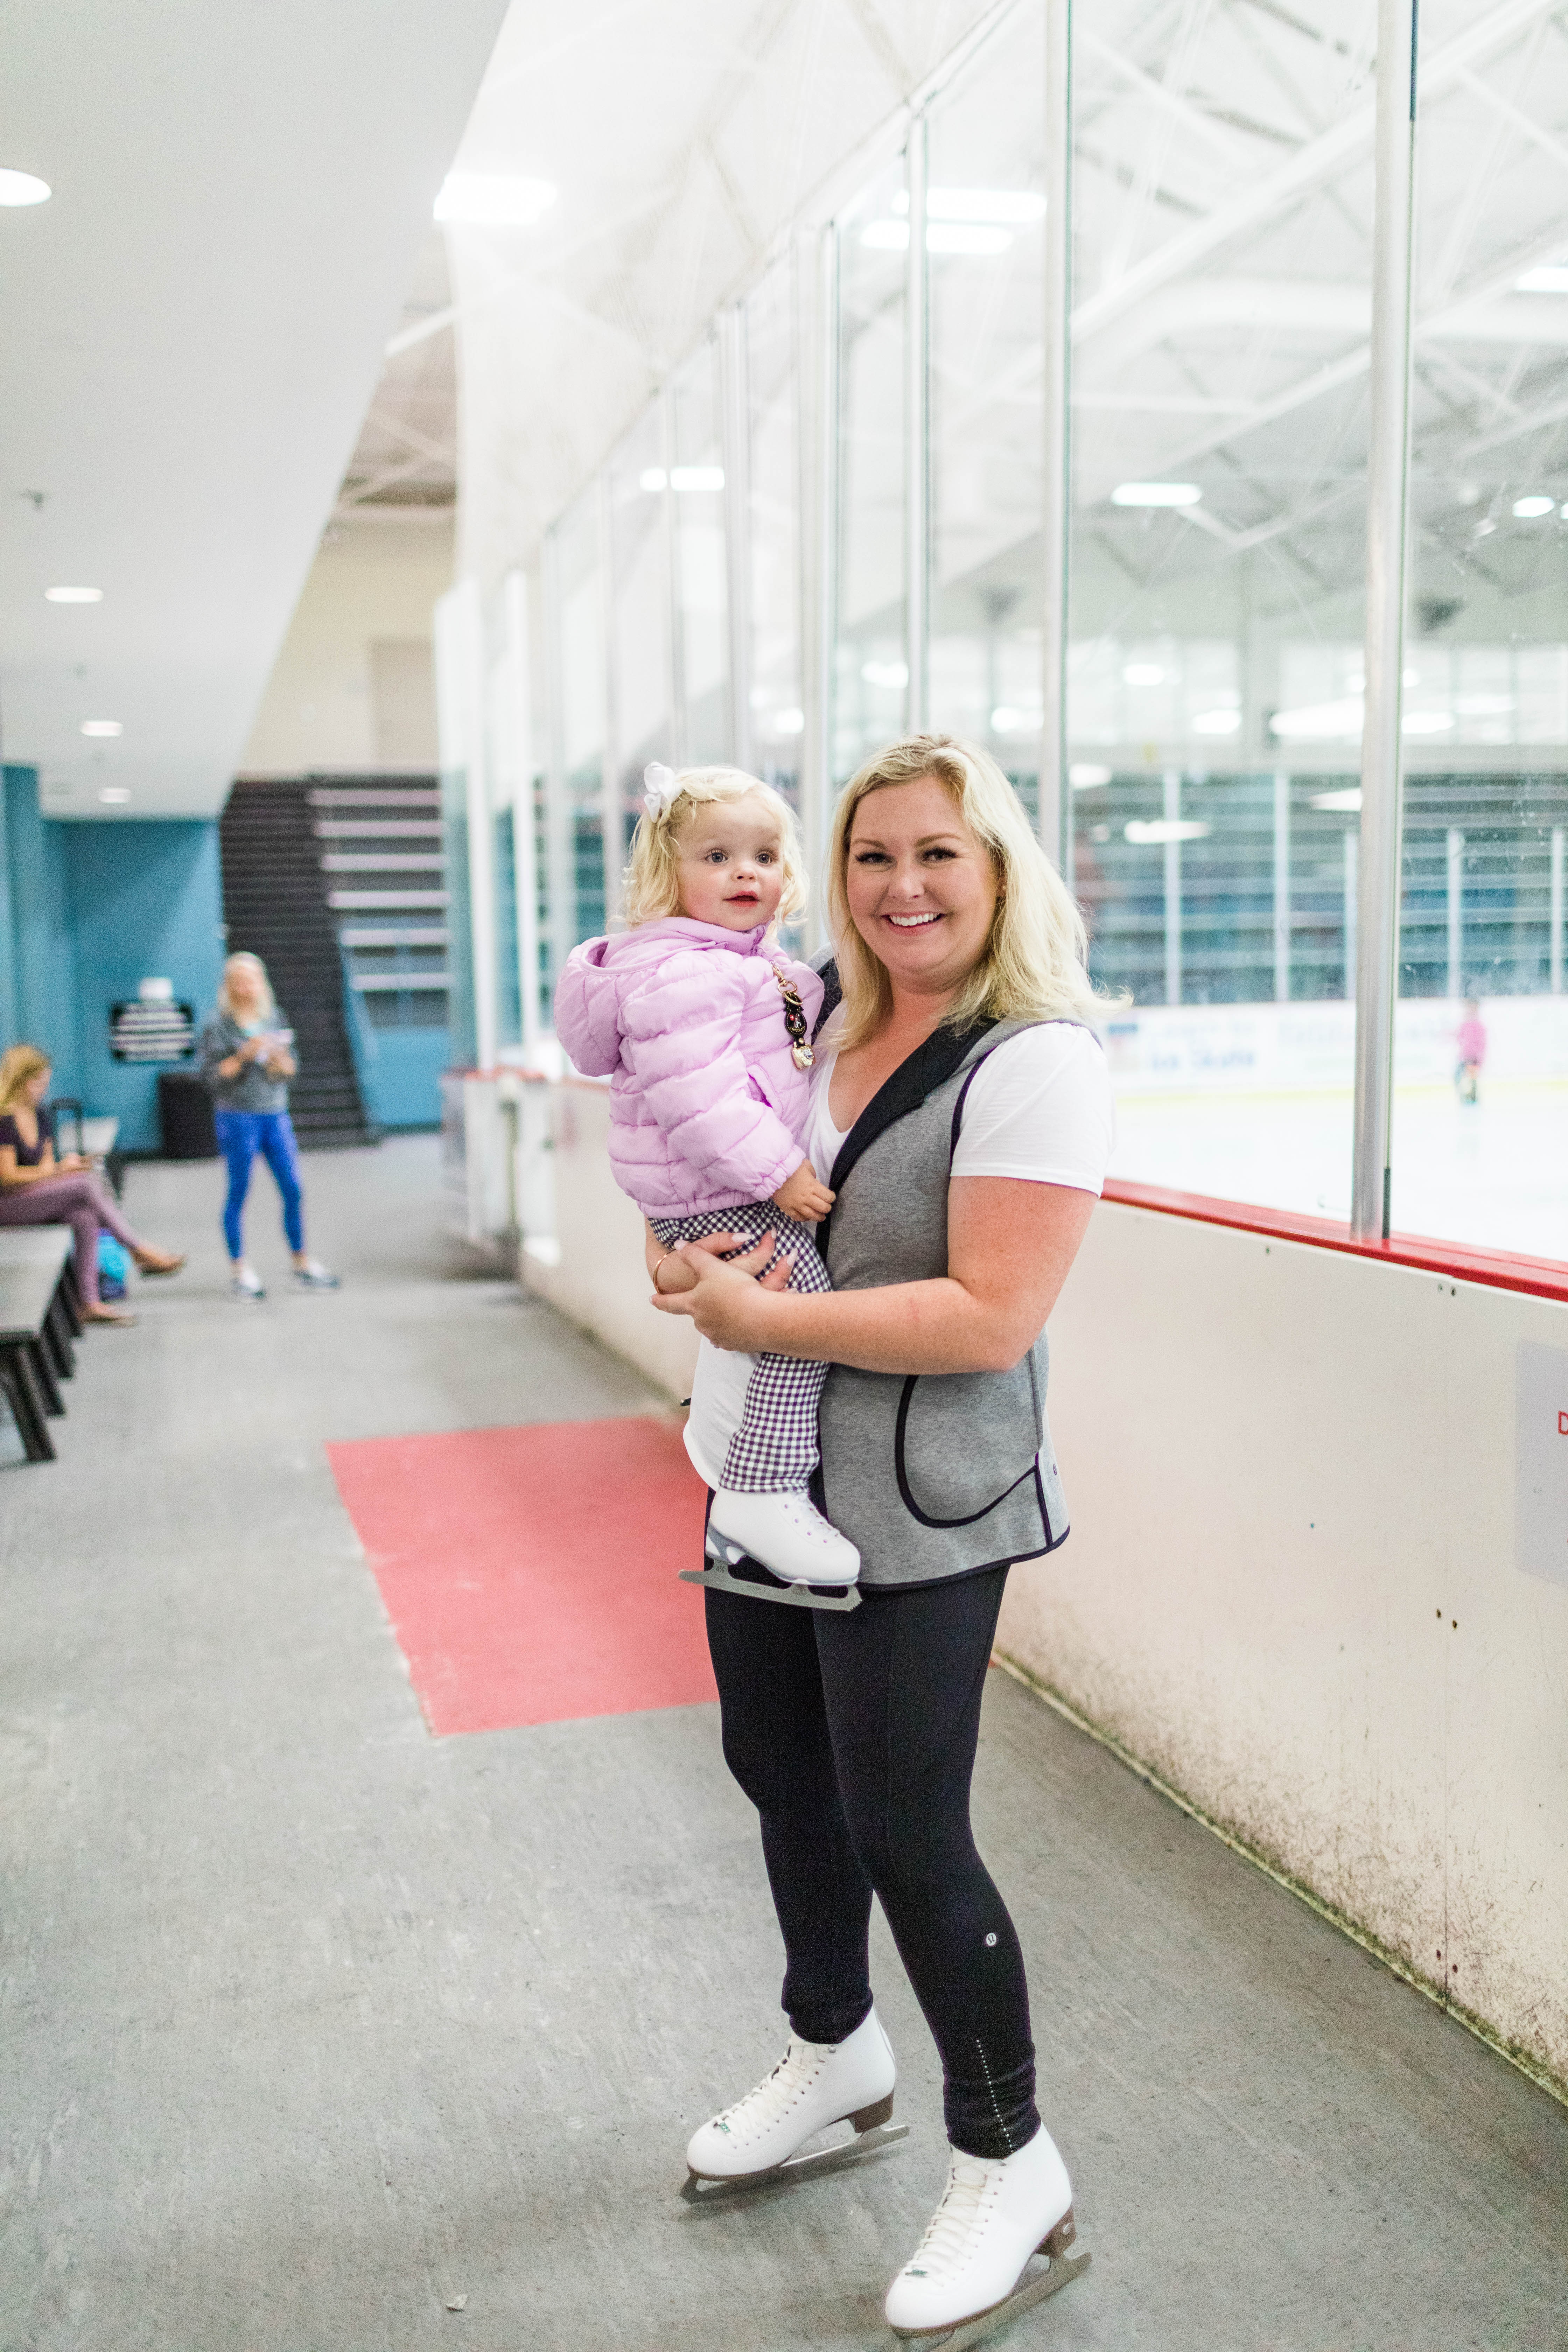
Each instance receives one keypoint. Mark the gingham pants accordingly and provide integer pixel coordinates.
(773, 1451)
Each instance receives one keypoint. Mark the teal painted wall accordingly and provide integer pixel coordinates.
(88, 910)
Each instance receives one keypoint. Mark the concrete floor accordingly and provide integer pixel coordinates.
(309, 2022)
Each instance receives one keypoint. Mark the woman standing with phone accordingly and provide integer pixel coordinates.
(246, 1054)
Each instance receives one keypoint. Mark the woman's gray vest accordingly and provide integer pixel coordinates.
(930, 1475)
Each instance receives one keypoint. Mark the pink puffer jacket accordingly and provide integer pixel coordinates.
(686, 1022)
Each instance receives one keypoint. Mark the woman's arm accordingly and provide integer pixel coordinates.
(1010, 1245)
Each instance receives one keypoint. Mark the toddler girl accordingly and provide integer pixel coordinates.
(702, 1026)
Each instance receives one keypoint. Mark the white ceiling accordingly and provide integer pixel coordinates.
(195, 325)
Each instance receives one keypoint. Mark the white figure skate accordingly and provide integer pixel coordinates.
(787, 1535)
(815, 2086)
(969, 2272)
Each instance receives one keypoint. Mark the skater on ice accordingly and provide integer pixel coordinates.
(702, 1023)
(960, 1125)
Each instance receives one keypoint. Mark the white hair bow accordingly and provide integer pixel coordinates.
(660, 783)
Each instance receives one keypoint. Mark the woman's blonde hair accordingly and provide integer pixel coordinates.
(1035, 963)
(18, 1065)
(251, 963)
(651, 885)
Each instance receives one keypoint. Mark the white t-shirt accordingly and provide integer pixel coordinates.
(1039, 1108)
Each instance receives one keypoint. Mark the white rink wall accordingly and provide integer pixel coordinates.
(583, 1239)
(1292, 1586)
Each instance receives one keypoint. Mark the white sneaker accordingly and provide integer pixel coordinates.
(788, 1534)
(995, 2212)
(814, 2084)
(315, 1277)
(247, 1285)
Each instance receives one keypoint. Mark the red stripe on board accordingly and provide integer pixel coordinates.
(1541, 1277)
(530, 1575)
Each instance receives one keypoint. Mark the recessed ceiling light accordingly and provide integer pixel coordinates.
(1010, 718)
(1155, 494)
(1085, 773)
(1551, 279)
(24, 188)
(697, 477)
(1528, 509)
(1216, 722)
(101, 726)
(493, 199)
(113, 795)
(74, 595)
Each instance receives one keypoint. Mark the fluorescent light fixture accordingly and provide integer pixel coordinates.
(1483, 706)
(1550, 279)
(1143, 674)
(1349, 800)
(789, 722)
(1216, 722)
(24, 188)
(1085, 773)
(1155, 494)
(1528, 509)
(115, 795)
(1316, 722)
(1165, 828)
(101, 726)
(493, 200)
(653, 478)
(1004, 207)
(885, 673)
(1006, 719)
(1426, 723)
(74, 595)
(965, 236)
(1008, 208)
(942, 236)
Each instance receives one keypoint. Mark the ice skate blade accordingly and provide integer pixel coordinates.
(715, 1576)
(701, 2189)
(1064, 2268)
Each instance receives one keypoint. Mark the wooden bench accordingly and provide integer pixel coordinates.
(39, 1318)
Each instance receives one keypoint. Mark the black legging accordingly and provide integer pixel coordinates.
(854, 1735)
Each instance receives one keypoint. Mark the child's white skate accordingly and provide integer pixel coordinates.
(817, 1568)
(970, 2274)
(815, 2086)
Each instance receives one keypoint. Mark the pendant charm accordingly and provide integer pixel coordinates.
(802, 1056)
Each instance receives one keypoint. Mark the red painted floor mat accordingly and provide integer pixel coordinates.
(530, 1575)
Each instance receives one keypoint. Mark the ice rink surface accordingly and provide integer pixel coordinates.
(1494, 1173)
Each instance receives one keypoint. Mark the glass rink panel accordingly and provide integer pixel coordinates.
(840, 501)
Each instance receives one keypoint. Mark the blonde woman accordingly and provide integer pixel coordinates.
(700, 1021)
(960, 1117)
(37, 1189)
(246, 1054)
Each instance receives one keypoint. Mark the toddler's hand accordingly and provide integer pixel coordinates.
(803, 1197)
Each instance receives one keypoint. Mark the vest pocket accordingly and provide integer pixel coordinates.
(974, 1436)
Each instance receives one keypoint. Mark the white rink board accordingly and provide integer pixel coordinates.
(1294, 1585)
(1293, 1582)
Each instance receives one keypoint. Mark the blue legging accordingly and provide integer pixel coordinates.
(241, 1134)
